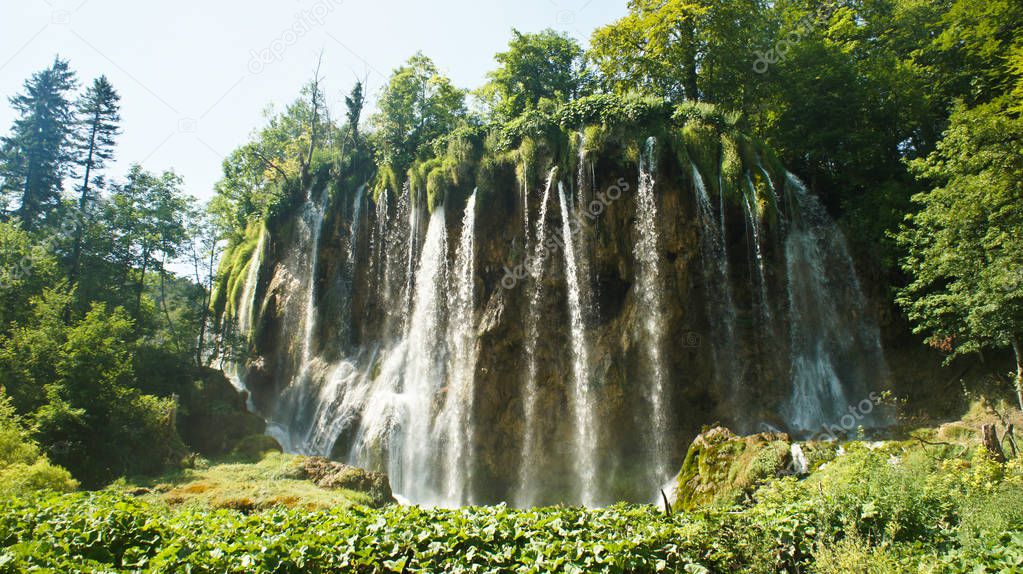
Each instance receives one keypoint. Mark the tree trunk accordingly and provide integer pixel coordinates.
(163, 304)
(1017, 348)
(83, 200)
(991, 443)
(140, 288)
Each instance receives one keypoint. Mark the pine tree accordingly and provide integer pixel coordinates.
(98, 117)
(37, 153)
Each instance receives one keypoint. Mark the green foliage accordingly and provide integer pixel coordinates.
(22, 468)
(683, 49)
(417, 106)
(76, 381)
(537, 67)
(118, 534)
(965, 252)
(26, 268)
(35, 156)
(900, 507)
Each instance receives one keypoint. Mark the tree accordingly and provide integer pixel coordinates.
(146, 218)
(205, 247)
(98, 117)
(683, 49)
(26, 268)
(417, 106)
(354, 103)
(37, 153)
(965, 249)
(545, 65)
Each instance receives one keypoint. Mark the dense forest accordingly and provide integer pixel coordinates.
(129, 443)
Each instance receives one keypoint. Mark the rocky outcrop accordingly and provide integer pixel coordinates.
(332, 475)
(722, 468)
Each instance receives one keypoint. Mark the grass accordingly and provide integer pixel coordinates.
(275, 480)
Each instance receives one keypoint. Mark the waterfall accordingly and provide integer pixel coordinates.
(233, 368)
(456, 416)
(720, 303)
(316, 227)
(649, 288)
(525, 205)
(425, 365)
(753, 224)
(529, 460)
(348, 280)
(835, 355)
(247, 304)
(396, 240)
(411, 195)
(581, 400)
(404, 395)
(291, 419)
(585, 211)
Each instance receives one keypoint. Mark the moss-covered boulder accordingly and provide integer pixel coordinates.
(253, 447)
(722, 468)
(332, 475)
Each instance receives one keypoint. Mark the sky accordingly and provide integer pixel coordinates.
(195, 76)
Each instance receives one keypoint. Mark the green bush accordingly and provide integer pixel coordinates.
(22, 467)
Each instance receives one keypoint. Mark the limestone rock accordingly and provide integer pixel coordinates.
(328, 474)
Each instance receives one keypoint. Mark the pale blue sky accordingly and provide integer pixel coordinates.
(195, 75)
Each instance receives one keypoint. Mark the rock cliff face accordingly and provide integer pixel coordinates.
(449, 349)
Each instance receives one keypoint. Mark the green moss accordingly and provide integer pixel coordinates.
(703, 147)
(438, 182)
(275, 480)
(253, 447)
(721, 468)
(818, 453)
(233, 270)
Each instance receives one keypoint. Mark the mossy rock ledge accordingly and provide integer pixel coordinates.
(332, 475)
(722, 468)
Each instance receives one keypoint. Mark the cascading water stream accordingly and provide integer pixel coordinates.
(247, 304)
(720, 302)
(455, 419)
(316, 226)
(301, 391)
(530, 457)
(424, 367)
(649, 289)
(753, 224)
(836, 355)
(348, 280)
(581, 400)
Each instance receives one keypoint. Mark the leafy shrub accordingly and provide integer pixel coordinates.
(114, 533)
(22, 467)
